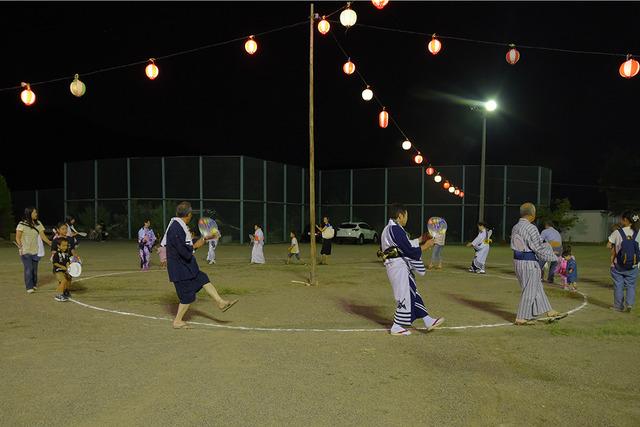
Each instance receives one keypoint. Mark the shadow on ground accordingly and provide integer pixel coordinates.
(487, 306)
(368, 312)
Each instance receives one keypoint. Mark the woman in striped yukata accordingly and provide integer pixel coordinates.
(528, 252)
(403, 259)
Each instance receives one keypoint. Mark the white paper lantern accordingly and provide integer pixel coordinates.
(348, 17)
(406, 145)
(77, 88)
(367, 94)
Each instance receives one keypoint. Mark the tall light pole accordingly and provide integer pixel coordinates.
(489, 106)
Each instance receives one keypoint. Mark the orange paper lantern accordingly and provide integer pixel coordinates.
(461, 194)
(383, 118)
(349, 67)
(629, 68)
(513, 55)
(434, 45)
(446, 185)
(380, 4)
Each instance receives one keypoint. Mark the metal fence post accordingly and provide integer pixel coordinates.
(65, 190)
(36, 200)
(386, 195)
(464, 185)
(200, 183)
(128, 198)
(549, 198)
(241, 199)
(319, 197)
(350, 195)
(264, 196)
(284, 205)
(539, 183)
(95, 192)
(302, 202)
(504, 204)
(164, 200)
(422, 173)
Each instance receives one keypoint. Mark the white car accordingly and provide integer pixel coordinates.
(356, 231)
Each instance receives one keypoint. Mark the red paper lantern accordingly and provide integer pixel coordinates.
(629, 68)
(383, 118)
(513, 55)
(434, 45)
(349, 67)
(380, 4)
(430, 171)
(418, 158)
(251, 46)
(446, 185)
(324, 26)
(27, 96)
(151, 70)
(461, 194)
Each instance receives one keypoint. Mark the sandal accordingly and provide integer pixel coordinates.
(229, 305)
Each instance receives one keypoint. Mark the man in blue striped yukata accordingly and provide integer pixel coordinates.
(403, 259)
(528, 252)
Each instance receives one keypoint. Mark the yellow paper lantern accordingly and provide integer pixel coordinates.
(27, 96)
(434, 45)
(324, 26)
(251, 46)
(77, 88)
(151, 70)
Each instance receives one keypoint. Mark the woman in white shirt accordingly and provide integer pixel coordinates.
(29, 238)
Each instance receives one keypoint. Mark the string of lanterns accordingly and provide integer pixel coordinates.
(348, 18)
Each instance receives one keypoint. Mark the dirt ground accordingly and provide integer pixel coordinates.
(70, 364)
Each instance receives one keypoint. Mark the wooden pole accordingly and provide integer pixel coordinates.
(312, 169)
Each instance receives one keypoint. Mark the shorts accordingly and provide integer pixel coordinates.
(61, 275)
(187, 289)
(297, 255)
(326, 247)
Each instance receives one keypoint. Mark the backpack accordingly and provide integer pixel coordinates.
(629, 253)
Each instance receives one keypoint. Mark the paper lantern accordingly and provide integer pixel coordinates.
(446, 185)
(27, 96)
(349, 67)
(437, 178)
(251, 46)
(513, 55)
(324, 26)
(418, 159)
(151, 70)
(76, 87)
(457, 192)
(452, 189)
(430, 171)
(383, 118)
(629, 68)
(406, 145)
(380, 4)
(348, 17)
(461, 194)
(434, 45)
(367, 94)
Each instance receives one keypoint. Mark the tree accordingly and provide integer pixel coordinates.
(6, 213)
(559, 214)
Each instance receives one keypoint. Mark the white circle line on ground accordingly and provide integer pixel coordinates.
(261, 329)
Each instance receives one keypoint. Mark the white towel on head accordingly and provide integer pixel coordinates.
(188, 239)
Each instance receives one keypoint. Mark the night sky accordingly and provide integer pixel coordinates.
(564, 111)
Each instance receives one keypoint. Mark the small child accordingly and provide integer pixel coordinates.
(162, 253)
(436, 255)
(61, 260)
(61, 235)
(294, 249)
(213, 244)
(570, 276)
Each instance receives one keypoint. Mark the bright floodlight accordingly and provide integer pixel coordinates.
(490, 105)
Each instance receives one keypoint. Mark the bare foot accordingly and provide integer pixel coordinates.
(181, 325)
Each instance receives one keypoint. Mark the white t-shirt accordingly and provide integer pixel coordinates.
(439, 239)
(616, 239)
(295, 249)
